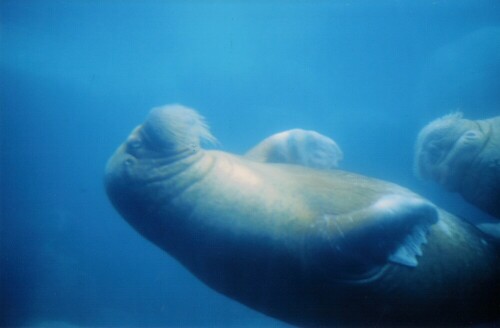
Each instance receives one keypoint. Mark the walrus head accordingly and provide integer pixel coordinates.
(167, 144)
(169, 134)
(446, 148)
(297, 146)
(170, 130)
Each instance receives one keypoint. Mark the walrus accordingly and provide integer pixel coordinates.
(463, 156)
(297, 146)
(309, 247)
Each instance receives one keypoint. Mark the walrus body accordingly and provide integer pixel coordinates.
(305, 246)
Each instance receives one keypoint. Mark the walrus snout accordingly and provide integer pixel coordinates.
(175, 128)
(462, 156)
(301, 147)
(155, 129)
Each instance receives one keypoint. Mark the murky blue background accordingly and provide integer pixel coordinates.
(77, 76)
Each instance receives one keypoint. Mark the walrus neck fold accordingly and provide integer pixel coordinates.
(166, 168)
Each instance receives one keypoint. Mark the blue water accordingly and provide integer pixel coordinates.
(77, 76)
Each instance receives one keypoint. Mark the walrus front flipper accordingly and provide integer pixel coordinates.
(392, 229)
(491, 229)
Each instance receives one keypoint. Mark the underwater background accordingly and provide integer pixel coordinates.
(77, 76)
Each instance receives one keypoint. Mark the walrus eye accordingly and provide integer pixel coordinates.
(471, 135)
(128, 162)
(135, 144)
(193, 147)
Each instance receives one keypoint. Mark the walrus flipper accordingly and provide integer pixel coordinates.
(407, 253)
(393, 229)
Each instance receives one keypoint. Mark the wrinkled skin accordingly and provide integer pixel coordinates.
(309, 247)
(463, 156)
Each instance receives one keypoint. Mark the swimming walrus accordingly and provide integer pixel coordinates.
(297, 146)
(309, 247)
(463, 156)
